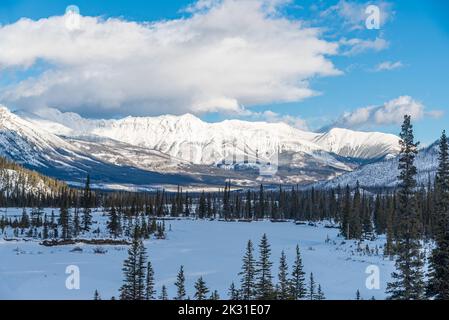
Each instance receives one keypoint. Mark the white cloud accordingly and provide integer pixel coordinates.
(388, 65)
(357, 46)
(274, 117)
(390, 113)
(225, 55)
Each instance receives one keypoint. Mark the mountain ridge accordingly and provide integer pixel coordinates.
(184, 149)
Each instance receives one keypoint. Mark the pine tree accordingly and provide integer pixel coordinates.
(201, 289)
(319, 294)
(76, 223)
(233, 293)
(248, 274)
(215, 295)
(133, 287)
(264, 279)
(97, 295)
(346, 219)
(87, 199)
(438, 286)
(283, 290)
(164, 294)
(298, 281)
(150, 292)
(408, 283)
(113, 224)
(180, 285)
(202, 207)
(357, 295)
(355, 226)
(64, 221)
(312, 287)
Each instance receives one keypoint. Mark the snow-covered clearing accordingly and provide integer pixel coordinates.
(212, 249)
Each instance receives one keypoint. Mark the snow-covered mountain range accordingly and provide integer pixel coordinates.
(183, 149)
(191, 139)
(384, 174)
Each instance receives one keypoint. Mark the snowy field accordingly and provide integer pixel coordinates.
(211, 249)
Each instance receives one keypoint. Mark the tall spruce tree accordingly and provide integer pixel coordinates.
(248, 274)
(438, 285)
(283, 288)
(76, 224)
(312, 288)
(264, 278)
(345, 225)
(149, 290)
(180, 285)
(134, 268)
(201, 289)
(86, 220)
(113, 223)
(408, 283)
(64, 221)
(298, 280)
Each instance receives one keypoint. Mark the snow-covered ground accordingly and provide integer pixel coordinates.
(212, 249)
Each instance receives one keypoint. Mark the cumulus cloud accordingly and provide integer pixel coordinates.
(390, 113)
(388, 65)
(224, 55)
(275, 117)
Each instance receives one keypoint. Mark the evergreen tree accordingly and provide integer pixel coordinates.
(233, 293)
(164, 294)
(438, 286)
(97, 295)
(357, 295)
(298, 281)
(150, 292)
(201, 289)
(408, 283)
(283, 290)
(133, 287)
(248, 274)
(87, 199)
(64, 222)
(319, 294)
(312, 287)
(113, 223)
(202, 207)
(264, 279)
(346, 219)
(215, 295)
(180, 285)
(76, 223)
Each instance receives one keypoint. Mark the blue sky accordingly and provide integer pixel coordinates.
(362, 90)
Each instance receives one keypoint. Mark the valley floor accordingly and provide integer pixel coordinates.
(212, 249)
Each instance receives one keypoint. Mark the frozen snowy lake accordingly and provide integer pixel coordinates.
(211, 249)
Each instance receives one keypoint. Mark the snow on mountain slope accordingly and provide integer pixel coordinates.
(135, 149)
(24, 142)
(384, 173)
(11, 180)
(31, 145)
(362, 145)
(191, 139)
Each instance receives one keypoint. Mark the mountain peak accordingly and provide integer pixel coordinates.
(4, 110)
